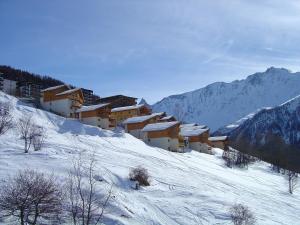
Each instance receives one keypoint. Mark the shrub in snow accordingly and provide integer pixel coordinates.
(5, 118)
(140, 175)
(241, 215)
(30, 197)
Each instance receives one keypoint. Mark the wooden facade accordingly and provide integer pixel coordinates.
(103, 112)
(123, 113)
(171, 132)
(219, 142)
(50, 93)
(203, 138)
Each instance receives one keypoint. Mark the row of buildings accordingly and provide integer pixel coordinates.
(31, 91)
(156, 129)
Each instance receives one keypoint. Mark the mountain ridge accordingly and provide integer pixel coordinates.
(221, 103)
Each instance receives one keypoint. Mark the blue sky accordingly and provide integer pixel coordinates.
(149, 49)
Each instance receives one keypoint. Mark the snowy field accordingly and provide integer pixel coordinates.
(186, 188)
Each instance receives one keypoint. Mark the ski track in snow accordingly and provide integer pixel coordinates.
(186, 188)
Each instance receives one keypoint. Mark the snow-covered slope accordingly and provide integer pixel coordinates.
(220, 103)
(186, 188)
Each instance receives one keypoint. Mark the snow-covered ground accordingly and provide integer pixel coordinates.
(186, 188)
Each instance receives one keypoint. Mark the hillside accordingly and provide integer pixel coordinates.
(24, 76)
(186, 188)
(272, 133)
(220, 103)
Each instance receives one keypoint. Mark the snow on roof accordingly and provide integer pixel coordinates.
(140, 119)
(127, 108)
(91, 107)
(192, 131)
(189, 125)
(193, 125)
(167, 118)
(69, 91)
(53, 88)
(159, 126)
(218, 138)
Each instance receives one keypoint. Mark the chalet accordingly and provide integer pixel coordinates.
(118, 101)
(122, 113)
(134, 125)
(8, 86)
(96, 115)
(162, 135)
(167, 119)
(62, 100)
(219, 142)
(195, 137)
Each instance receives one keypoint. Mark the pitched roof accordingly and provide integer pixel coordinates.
(69, 91)
(126, 108)
(159, 126)
(193, 125)
(218, 138)
(140, 119)
(192, 131)
(91, 107)
(55, 87)
(167, 117)
(116, 96)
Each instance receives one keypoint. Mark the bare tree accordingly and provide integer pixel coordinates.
(293, 179)
(31, 133)
(30, 197)
(241, 215)
(6, 121)
(85, 203)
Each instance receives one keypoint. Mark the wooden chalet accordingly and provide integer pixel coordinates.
(221, 142)
(134, 125)
(195, 137)
(163, 135)
(96, 115)
(122, 113)
(62, 100)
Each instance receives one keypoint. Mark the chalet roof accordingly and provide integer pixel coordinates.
(218, 138)
(119, 109)
(192, 131)
(69, 91)
(159, 126)
(55, 87)
(167, 117)
(92, 107)
(193, 125)
(116, 96)
(140, 119)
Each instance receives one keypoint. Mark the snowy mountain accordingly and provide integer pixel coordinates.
(273, 133)
(186, 189)
(220, 103)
